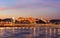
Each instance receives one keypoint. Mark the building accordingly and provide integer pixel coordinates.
(7, 21)
(29, 20)
(55, 21)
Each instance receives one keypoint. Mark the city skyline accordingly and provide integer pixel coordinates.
(49, 9)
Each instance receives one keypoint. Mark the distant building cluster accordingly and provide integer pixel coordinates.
(30, 20)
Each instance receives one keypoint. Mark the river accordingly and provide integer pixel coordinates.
(29, 32)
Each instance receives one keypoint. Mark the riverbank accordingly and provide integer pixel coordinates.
(30, 25)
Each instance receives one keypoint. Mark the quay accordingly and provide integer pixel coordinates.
(30, 25)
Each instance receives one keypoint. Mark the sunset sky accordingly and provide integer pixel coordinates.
(25, 8)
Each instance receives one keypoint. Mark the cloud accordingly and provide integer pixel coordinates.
(36, 3)
(12, 4)
(3, 8)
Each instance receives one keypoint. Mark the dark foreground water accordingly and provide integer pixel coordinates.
(29, 32)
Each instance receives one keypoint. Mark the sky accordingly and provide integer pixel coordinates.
(49, 9)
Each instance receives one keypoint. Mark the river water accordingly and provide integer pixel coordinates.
(29, 32)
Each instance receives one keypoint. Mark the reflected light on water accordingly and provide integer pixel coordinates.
(28, 32)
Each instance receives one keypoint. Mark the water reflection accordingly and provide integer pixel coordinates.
(29, 32)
